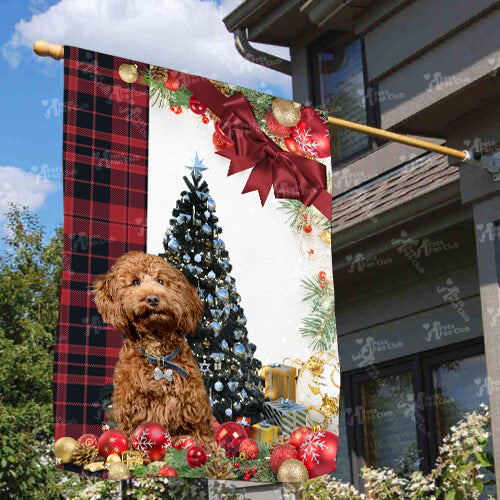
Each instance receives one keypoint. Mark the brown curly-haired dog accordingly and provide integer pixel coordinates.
(154, 305)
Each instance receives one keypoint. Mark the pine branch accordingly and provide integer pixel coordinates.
(161, 96)
(320, 327)
(295, 210)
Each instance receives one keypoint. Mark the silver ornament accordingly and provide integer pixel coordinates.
(228, 412)
(186, 258)
(174, 245)
(222, 294)
(218, 386)
(206, 229)
(197, 257)
(211, 275)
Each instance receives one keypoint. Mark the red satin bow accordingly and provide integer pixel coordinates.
(291, 176)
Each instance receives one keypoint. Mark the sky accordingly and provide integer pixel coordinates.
(186, 35)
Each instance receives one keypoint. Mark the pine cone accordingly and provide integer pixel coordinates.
(158, 74)
(278, 441)
(222, 87)
(84, 455)
(215, 451)
(220, 469)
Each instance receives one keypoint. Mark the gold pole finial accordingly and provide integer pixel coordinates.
(43, 48)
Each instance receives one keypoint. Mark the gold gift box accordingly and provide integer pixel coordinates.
(280, 381)
(264, 434)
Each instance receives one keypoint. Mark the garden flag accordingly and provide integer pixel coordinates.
(196, 325)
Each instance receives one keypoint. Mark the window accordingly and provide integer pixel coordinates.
(339, 85)
(397, 413)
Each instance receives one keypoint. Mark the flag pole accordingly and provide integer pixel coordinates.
(45, 49)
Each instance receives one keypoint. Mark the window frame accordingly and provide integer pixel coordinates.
(420, 364)
(339, 39)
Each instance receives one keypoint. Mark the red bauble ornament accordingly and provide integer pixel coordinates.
(183, 442)
(281, 453)
(89, 440)
(250, 447)
(307, 228)
(311, 134)
(152, 439)
(322, 275)
(275, 126)
(319, 453)
(196, 106)
(322, 285)
(253, 471)
(292, 146)
(246, 478)
(221, 141)
(237, 465)
(205, 119)
(168, 471)
(176, 109)
(196, 456)
(299, 434)
(171, 83)
(230, 436)
(112, 441)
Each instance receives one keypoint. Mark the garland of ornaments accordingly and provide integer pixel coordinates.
(305, 454)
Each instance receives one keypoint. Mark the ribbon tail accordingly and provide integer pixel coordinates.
(323, 203)
(261, 180)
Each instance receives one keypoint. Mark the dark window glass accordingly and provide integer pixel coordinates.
(343, 472)
(459, 387)
(342, 91)
(388, 422)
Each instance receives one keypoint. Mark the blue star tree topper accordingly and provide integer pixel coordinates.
(197, 167)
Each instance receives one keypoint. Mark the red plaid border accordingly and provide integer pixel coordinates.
(105, 160)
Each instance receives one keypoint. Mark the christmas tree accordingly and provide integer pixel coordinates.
(220, 344)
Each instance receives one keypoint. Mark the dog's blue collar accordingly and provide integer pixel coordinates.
(165, 361)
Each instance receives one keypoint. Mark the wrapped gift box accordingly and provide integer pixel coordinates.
(280, 381)
(264, 432)
(246, 423)
(286, 414)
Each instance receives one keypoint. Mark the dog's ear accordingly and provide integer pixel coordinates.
(192, 309)
(105, 296)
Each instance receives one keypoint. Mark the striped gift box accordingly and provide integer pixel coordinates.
(286, 414)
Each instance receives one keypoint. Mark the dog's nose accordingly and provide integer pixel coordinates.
(152, 300)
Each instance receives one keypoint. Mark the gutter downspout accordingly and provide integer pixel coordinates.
(257, 56)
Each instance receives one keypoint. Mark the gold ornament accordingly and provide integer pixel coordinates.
(128, 72)
(64, 449)
(315, 365)
(111, 417)
(292, 471)
(243, 456)
(326, 237)
(286, 112)
(329, 406)
(206, 343)
(94, 466)
(158, 74)
(84, 454)
(134, 458)
(118, 471)
(113, 459)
